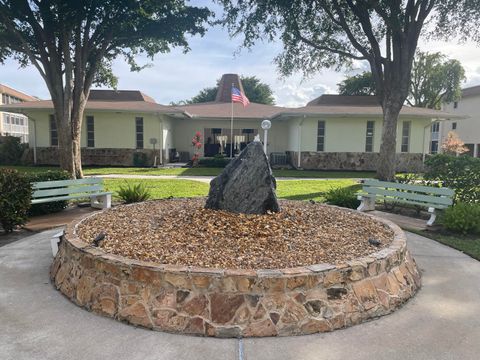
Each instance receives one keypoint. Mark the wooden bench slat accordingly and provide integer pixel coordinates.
(59, 198)
(420, 198)
(66, 191)
(409, 187)
(64, 183)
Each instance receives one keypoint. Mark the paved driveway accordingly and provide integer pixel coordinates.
(37, 322)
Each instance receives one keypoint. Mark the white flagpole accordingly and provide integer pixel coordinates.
(231, 125)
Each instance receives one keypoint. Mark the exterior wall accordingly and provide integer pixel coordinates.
(184, 129)
(467, 129)
(349, 134)
(352, 161)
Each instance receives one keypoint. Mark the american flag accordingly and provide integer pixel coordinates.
(238, 96)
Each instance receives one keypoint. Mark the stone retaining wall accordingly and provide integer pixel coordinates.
(93, 156)
(352, 161)
(236, 303)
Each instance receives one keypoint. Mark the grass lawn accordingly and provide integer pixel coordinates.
(200, 171)
(469, 244)
(288, 189)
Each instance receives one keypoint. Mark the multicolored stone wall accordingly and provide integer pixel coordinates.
(236, 303)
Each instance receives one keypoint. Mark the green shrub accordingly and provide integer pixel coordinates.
(132, 193)
(343, 196)
(15, 197)
(460, 173)
(462, 218)
(51, 207)
(218, 161)
(11, 150)
(140, 159)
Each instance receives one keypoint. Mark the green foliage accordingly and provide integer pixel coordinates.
(255, 90)
(133, 192)
(11, 150)
(435, 79)
(51, 207)
(218, 161)
(461, 173)
(140, 159)
(462, 218)
(361, 84)
(343, 196)
(15, 197)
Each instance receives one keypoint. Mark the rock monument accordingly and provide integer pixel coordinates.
(246, 185)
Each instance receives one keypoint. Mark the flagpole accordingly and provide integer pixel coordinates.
(231, 125)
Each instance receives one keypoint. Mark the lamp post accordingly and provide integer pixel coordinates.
(266, 124)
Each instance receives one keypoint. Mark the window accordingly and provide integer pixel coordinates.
(405, 136)
(454, 126)
(53, 132)
(139, 132)
(321, 136)
(455, 104)
(90, 132)
(369, 136)
(434, 147)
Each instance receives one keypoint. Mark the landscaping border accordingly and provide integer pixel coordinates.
(236, 302)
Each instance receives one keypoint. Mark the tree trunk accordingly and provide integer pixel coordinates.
(387, 160)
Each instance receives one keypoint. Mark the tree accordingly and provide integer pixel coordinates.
(453, 145)
(72, 44)
(255, 90)
(324, 34)
(361, 84)
(435, 79)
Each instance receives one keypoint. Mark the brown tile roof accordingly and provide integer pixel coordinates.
(133, 106)
(471, 91)
(224, 110)
(344, 100)
(4, 89)
(119, 95)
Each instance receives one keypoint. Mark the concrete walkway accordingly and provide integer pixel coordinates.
(37, 322)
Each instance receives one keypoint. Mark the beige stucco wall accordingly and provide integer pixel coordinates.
(467, 129)
(111, 130)
(349, 134)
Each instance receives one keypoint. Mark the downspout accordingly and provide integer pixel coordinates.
(299, 153)
(161, 140)
(34, 141)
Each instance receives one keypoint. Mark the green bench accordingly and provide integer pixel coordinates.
(57, 190)
(430, 197)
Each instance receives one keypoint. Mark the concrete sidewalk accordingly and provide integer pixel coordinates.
(37, 322)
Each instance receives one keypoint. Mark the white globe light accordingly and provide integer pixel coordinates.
(266, 124)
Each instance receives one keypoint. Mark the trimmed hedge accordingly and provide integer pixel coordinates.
(11, 150)
(15, 197)
(51, 207)
(462, 218)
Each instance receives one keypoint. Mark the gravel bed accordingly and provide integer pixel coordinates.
(182, 232)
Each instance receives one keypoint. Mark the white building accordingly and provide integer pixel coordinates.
(13, 124)
(467, 129)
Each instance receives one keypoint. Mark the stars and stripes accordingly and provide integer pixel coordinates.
(238, 96)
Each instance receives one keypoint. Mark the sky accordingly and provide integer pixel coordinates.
(177, 76)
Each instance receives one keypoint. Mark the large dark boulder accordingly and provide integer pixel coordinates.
(246, 185)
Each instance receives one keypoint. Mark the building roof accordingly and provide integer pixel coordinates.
(471, 91)
(344, 100)
(325, 105)
(4, 89)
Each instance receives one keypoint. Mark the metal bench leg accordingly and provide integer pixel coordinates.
(101, 201)
(433, 216)
(368, 203)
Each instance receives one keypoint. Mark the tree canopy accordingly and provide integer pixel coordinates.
(255, 90)
(435, 79)
(333, 34)
(72, 44)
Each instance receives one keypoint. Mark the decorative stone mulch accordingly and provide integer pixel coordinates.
(182, 232)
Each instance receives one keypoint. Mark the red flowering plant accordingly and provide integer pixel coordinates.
(197, 145)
